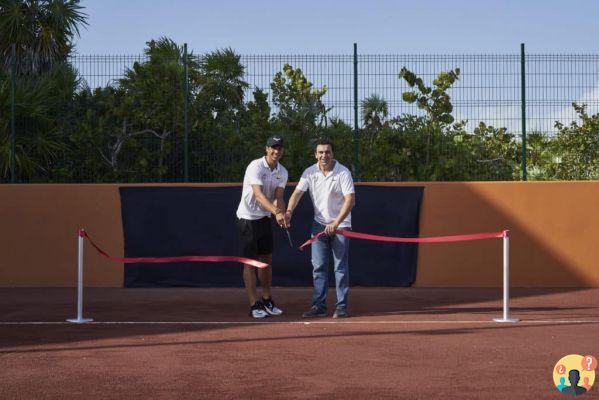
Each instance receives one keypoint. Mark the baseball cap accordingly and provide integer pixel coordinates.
(274, 141)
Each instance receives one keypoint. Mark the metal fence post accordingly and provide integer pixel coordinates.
(186, 116)
(523, 102)
(13, 130)
(356, 133)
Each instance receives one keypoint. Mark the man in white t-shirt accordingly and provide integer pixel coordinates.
(263, 187)
(333, 196)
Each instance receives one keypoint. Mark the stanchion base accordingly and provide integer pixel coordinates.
(80, 320)
(510, 320)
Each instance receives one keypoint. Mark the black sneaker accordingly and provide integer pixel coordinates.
(340, 313)
(257, 311)
(315, 312)
(270, 307)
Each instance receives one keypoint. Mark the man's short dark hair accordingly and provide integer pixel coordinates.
(324, 141)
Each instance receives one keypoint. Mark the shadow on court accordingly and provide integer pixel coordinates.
(297, 337)
(222, 309)
(399, 343)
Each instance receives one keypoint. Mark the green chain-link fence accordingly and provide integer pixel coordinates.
(140, 113)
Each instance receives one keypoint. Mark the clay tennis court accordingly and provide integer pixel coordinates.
(406, 343)
(436, 339)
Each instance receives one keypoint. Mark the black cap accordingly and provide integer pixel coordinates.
(274, 141)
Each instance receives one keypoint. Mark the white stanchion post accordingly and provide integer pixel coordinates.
(80, 319)
(506, 282)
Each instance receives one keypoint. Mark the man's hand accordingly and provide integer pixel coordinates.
(281, 219)
(331, 228)
(287, 217)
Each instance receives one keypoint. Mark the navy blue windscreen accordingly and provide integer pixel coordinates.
(183, 221)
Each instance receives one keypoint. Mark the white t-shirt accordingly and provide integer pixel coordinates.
(327, 192)
(258, 173)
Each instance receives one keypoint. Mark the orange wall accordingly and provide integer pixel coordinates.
(554, 233)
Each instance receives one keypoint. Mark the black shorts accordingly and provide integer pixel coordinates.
(255, 237)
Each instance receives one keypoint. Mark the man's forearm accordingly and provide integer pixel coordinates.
(267, 205)
(348, 204)
(281, 203)
(293, 200)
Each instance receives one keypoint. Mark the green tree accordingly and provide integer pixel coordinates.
(154, 99)
(301, 115)
(104, 143)
(433, 146)
(42, 103)
(42, 30)
(258, 112)
(400, 150)
(222, 124)
(541, 157)
(488, 153)
(300, 106)
(221, 84)
(375, 111)
(342, 135)
(255, 124)
(436, 103)
(577, 146)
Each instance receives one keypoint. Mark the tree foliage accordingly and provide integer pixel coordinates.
(133, 130)
(578, 147)
(300, 115)
(300, 105)
(154, 97)
(41, 30)
(41, 103)
(375, 112)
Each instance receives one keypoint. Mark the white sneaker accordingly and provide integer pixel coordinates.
(257, 311)
(270, 307)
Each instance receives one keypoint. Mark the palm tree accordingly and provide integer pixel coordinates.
(41, 107)
(221, 81)
(374, 111)
(41, 30)
(374, 114)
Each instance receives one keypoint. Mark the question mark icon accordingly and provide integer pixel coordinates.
(589, 363)
(560, 369)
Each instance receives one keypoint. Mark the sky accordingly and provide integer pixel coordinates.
(331, 27)
(283, 27)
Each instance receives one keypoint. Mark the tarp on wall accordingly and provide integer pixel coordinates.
(180, 221)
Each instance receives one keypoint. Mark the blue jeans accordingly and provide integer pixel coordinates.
(338, 246)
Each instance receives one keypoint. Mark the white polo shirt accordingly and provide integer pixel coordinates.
(258, 173)
(327, 192)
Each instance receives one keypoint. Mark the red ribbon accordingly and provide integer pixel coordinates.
(129, 260)
(437, 239)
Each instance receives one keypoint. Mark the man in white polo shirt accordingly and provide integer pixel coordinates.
(263, 187)
(332, 192)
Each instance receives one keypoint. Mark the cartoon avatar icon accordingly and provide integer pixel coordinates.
(562, 384)
(574, 389)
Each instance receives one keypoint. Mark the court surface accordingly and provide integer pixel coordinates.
(400, 343)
